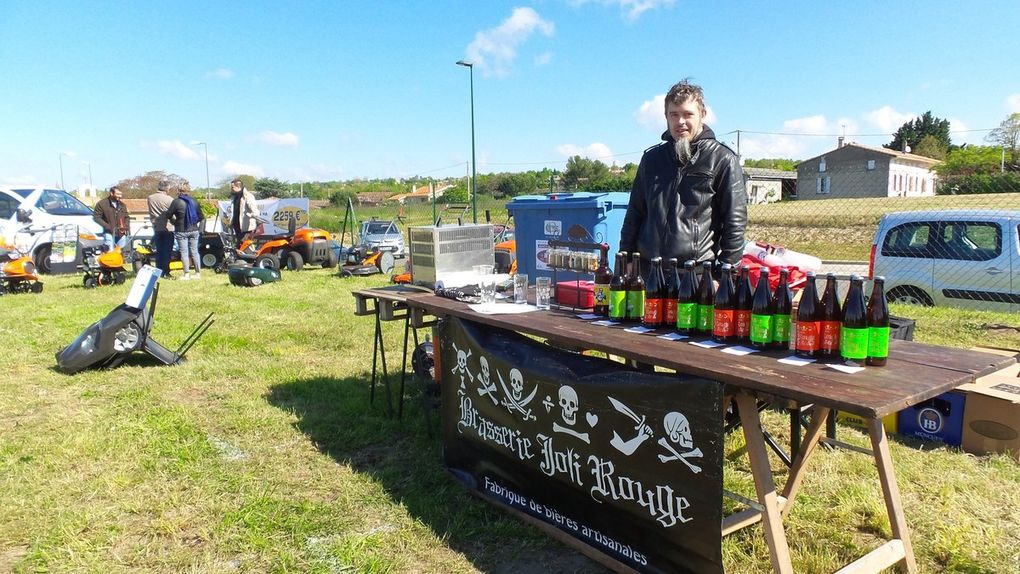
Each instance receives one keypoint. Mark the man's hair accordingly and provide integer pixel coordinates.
(163, 185)
(238, 182)
(683, 91)
(113, 189)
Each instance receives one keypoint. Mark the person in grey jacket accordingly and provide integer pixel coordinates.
(688, 200)
(245, 213)
(162, 230)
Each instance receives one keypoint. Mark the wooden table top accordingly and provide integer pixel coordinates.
(914, 373)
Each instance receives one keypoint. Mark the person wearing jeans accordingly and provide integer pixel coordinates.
(186, 216)
(162, 231)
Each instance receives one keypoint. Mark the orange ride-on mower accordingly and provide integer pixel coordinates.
(102, 267)
(297, 248)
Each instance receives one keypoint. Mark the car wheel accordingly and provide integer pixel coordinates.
(42, 259)
(909, 295)
(294, 261)
(268, 261)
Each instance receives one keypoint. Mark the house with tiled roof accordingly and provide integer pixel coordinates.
(855, 170)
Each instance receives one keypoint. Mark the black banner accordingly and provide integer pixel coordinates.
(629, 463)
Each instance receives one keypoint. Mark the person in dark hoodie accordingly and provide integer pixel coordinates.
(186, 216)
(688, 200)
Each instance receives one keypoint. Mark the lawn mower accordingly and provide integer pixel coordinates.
(244, 275)
(297, 248)
(363, 260)
(17, 272)
(103, 267)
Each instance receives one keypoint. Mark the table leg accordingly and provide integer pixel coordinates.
(764, 484)
(887, 477)
(382, 361)
(375, 355)
(403, 367)
(807, 447)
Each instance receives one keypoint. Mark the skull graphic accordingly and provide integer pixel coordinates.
(568, 404)
(678, 429)
(484, 377)
(516, 384)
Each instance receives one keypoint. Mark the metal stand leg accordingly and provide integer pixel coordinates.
(403, 367)
(382, 356)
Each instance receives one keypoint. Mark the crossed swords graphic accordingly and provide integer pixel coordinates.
(513, 405)
(643, 433)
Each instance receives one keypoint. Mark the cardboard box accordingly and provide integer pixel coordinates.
(888, 421)
(991, 422)
(938, 419)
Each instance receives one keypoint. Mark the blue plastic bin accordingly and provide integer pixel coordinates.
(592, 217)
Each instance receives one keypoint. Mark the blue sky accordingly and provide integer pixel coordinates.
(312, 91)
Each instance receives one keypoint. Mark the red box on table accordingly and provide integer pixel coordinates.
(580, 294)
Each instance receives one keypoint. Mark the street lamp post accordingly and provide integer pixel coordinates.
(474, 178)
(91, 187)
(60, 158)
(206, 148)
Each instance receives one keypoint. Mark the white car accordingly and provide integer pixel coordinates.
(49, 210)
(961, 258)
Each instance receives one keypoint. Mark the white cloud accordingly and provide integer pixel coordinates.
(597, 150)
(799, 138)
(652, 113)
(493, 51)
(543, 59)
(632, 9)
(1013, 103)
(277, 139)
(887, 119)
(234, 168)
(220, 74)
(177, 149)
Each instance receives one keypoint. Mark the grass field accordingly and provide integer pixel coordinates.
(263, 454)
(832, 229)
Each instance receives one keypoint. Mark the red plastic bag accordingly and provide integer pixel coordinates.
(797, 278)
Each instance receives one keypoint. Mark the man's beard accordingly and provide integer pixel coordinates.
(683, 149)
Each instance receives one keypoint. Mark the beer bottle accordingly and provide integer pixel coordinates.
(830, 318)
(635, 291)
(853, 334)
(782, 306)
(742, 306)
(655, 292)
(808, 320)
(878, 325)
(672, 292)
(761, 312)
(706, 300)
(618, 289)
(724, 328)
(686, 301)
(602, 280)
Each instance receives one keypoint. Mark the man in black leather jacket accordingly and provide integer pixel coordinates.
(688, 199)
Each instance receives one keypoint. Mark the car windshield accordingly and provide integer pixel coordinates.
(56, 202)
(379, 227)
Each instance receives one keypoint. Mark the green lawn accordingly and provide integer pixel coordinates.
(263, 454)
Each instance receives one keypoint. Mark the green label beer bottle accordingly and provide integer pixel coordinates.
(618, 289)
(761, 312)
(686, 306)
(853, 334)
(878, 325)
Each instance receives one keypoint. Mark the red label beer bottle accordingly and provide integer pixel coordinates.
(654, 292)
(829, 320)
(808, 320)
(724, 325)
(878, 325)
(672, 292)
(742, 306)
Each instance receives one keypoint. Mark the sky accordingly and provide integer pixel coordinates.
(347, 89)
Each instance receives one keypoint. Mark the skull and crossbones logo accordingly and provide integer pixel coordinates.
(515, 400)
(461, 367)
(488, 386)
(678, 431)
(569, 405)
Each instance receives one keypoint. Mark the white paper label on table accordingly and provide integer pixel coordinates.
(501, 308)
(796, 361)
(588, 316)
(846, 369)
(707, 344)
(605, 323)
(639, 330)
(673, 337)
(739, 350)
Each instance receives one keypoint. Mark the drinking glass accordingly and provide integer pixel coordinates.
(521, 288)
(486, 283)
(543, 292)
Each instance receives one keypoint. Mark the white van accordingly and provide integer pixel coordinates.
(961, 258)
(49, 210)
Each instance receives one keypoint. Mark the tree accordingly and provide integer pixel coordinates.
(913, 131)
(144, 185)
(930, 146)
(516, 184)
(456, 194)
(781, 164)
(267, 187)
(970, 160)
(1007, 135)
(581, 170)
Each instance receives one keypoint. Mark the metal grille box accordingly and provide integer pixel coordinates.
(442, 252)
